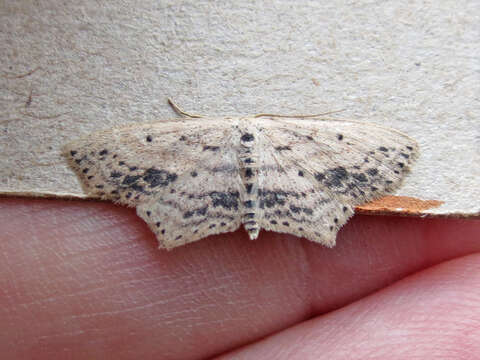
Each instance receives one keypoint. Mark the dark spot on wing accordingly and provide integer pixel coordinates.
(372, 172)
(187, 214)
(193, 174)
(155, 177)
(307, 211)
(295, 209)
(336, 176)
(149, 138)
(247, 137)
(227, 200)
(340, 137)
(130, 179)
(136, 187)
(182, 138)
(249, 204)
(360, 177)
(211, 148)
(383, 148)
(300, 173)
(281, 148)
(115, 174)
(103, 152)
(202, 211)
(78, 161)
(224, 168)
(271, 198)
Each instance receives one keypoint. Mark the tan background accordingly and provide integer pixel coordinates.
(68, 69)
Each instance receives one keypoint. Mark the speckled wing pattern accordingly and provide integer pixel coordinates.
(193, 178)
(323, 169)
(180, 175)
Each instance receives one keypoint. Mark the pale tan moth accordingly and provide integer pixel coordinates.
(191, 178)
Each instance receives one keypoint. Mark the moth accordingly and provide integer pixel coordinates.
(191, 178)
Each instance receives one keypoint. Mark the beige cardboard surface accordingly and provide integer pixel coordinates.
(68, 69)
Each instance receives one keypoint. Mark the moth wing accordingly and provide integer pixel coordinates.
(181, 176)
(314, 172)
(191, 213)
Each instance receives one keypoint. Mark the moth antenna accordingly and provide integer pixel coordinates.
(299, 116)
(178, 110)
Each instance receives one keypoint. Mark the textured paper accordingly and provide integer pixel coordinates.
(69, 69)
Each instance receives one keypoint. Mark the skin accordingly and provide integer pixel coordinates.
(85, 280)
